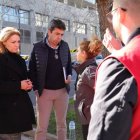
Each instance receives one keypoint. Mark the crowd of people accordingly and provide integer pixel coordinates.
(107, 101)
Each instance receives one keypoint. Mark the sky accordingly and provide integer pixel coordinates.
(92, 1)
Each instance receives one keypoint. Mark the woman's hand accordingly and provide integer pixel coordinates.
(26, 85)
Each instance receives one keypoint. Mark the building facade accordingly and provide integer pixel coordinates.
(31, 17)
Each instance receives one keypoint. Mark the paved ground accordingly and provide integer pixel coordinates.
(30, 136)
(26, 138)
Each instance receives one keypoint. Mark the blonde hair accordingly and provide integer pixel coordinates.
(5, 34)
(92, 47)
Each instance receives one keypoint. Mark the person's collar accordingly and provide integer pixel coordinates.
(135, 33)
(47, 42)
(82, 66)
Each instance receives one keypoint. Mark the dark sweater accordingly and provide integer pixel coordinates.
(54, 71)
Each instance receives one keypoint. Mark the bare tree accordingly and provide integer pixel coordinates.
(103, 9)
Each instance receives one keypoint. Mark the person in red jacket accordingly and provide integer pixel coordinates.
(115, 111)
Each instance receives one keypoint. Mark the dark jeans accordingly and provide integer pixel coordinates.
(85, 131)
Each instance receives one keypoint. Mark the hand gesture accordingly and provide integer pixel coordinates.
(110, 42)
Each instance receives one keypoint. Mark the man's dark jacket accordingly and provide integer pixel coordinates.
(39, 59)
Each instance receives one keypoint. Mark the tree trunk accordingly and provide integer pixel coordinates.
(103, 9)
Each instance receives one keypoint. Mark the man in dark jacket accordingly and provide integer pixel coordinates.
(115, 111)
(50, 71)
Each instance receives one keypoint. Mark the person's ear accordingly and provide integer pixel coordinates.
(84, 54)
(4, 43)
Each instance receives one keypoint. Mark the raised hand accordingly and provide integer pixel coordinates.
(110, 42)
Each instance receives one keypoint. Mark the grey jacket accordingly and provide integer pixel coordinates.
(85, 89)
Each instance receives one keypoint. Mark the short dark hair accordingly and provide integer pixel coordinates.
(56, 23)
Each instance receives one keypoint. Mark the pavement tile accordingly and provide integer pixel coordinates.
(29, 135)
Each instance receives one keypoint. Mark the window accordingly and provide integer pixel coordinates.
(0, 13)
(93, 29)
(79, 28)
(14, 15)
(91, 1)
(10, 14)
(41, 20)
(67, 24)
(39, 36)
(25, 36)
(71, 2)
(63, 1)
(66, 1)
(24, 17)
(0, 9)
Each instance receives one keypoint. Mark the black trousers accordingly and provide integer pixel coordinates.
(85, 131)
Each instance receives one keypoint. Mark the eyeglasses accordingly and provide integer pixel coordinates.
(56, 54)
(110, 16)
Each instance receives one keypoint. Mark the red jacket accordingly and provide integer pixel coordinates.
(129, 56)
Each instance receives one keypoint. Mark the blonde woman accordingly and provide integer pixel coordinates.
(87, 51)
(16, 111)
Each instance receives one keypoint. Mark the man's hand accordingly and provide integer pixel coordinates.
(68, 80)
